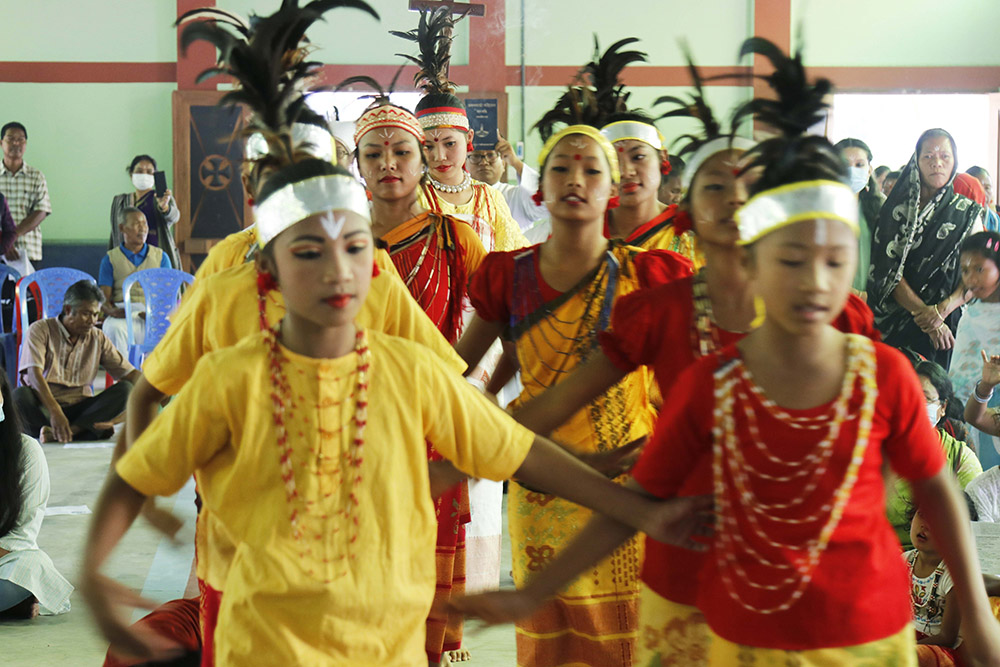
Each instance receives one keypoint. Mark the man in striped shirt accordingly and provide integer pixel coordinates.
(26, 192)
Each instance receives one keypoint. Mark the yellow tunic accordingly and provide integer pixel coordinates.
(667, 239)
(222, 309)
(492, 208)
(296, 602)
(229, 252)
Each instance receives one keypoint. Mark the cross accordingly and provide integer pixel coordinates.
(456, 8)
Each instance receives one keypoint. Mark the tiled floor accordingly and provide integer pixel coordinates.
(144, 561)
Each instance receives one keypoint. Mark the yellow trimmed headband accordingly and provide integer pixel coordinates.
(586, 130)
(779, 207)
(298, 201)
(625, 130)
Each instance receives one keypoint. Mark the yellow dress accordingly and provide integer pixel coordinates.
(221, 310)
(288, 601)
(486, 205)
(229, 252)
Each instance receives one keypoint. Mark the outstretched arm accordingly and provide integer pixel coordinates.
(476, 341)
(938, 499)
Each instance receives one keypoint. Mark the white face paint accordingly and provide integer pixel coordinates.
(578, 144)
(821, 233)
(332, 224)
(387, 133)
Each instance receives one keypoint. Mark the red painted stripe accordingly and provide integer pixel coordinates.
(55, 72)
(635, 76)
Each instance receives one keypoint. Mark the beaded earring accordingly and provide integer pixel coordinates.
(614, 202)
(682, 222)
(375, 270)
(538, 197)
(250, 201)
(665, 167)
(266, 281)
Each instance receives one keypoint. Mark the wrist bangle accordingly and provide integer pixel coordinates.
(979, 397)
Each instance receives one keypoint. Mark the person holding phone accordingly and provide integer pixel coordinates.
(154, 200)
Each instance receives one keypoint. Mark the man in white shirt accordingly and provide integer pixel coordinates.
(490, 167)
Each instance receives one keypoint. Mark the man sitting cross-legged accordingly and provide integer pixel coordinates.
(58, 366)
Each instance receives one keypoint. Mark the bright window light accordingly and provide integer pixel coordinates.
(891, 124)
(350, 105)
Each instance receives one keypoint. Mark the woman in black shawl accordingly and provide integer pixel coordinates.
(915, 285)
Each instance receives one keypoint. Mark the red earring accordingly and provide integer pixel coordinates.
(614, 202)
(682, 222)
(665, 167)
(266, 281)
(538, 197)
(469, 147)
(375, 270)
(250, 201)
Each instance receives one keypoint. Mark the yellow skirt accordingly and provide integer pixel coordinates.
(898, 650)
(670, 634)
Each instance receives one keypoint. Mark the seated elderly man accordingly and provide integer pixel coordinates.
(134, 254)
(59, 364)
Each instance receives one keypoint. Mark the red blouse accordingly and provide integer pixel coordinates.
(859, 590)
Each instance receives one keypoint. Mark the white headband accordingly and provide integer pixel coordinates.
(298, 201)
(707, 150)
(343, 131)
(809, 200)
(624, 130)
(311, 139)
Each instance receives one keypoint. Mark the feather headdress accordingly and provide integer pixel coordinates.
(264, 57)
(603, 74)
(439, 107)
(793, 154)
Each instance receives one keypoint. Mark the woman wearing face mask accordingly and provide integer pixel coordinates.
(161, 212)
(945, 413)
(858, 157)
(915, 282)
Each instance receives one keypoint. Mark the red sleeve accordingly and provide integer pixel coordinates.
(492, 285)
(683, 432)
(857, 318)
(632, 339)
(656, 267)
(912, 446)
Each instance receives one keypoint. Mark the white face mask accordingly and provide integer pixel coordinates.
(859, 178)
(932, 412)
(142, 181)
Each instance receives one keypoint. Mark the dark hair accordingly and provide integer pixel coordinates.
(985, 244)
(938, 377)
(11, 460)
(140, 158)
(934, 133)
(881, 170)
(677, 166)
(82, 291)
(855, 143)
(977, 172)
(13, 125)
(123, 215)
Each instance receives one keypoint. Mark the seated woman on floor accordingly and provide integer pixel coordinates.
(29, 582)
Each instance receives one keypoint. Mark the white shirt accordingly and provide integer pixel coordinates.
(985, 493)
(518, 197)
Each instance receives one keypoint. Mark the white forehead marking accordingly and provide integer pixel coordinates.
(333, 224)
(436, 134)
(387, 133)
(821, 233)
(578, 143)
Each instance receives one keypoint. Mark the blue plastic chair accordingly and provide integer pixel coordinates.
(161, 290)
(51, 285)
(8, 339)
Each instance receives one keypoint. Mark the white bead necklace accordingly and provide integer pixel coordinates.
(452, 189)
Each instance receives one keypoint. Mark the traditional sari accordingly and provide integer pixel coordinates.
(435, 255)
(922, 246)
(486, 212)
(594, 620)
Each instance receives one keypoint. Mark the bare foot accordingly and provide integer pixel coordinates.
(47, 435)
(461, 655)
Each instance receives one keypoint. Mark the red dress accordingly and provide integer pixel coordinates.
(859, 590)
(435, 255)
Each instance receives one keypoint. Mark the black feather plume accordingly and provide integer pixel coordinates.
(696, 107)
(603, 73)
(265, 58)
(433, 38)
(793, 155)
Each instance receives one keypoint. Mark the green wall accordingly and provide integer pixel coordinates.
(82, 136)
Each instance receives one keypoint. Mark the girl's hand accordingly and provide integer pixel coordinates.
(678, 520)
(495, 607)
(942, 338)
(106, 598)
(927, 318)
(991, 370)
(617, 461)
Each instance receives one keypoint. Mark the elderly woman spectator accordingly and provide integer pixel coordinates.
(134, 254)
(161, 212)
(915, 282)
(29, 582)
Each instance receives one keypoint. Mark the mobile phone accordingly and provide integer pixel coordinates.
(160, 182)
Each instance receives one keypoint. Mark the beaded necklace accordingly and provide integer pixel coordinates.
(704, 337)
(735, 478)
(451, 189)
(926, 601)
(348, 473)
